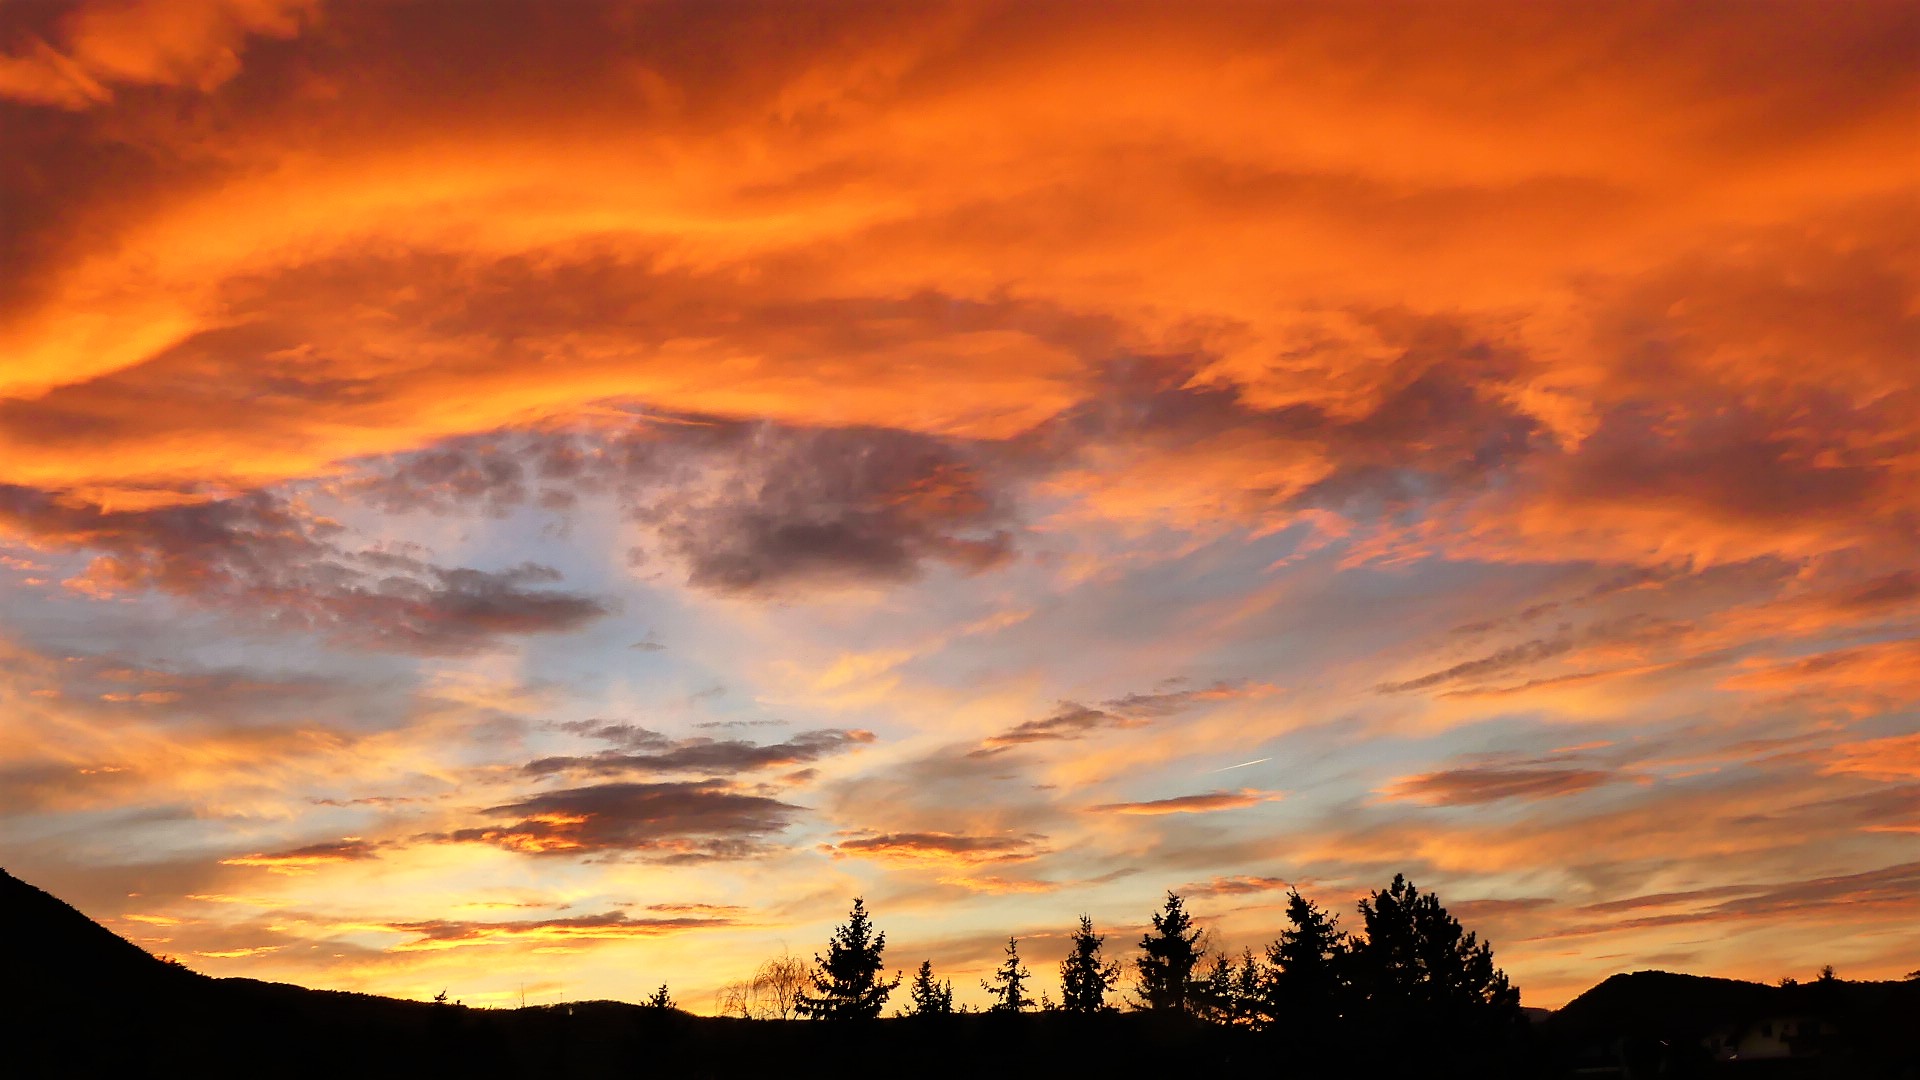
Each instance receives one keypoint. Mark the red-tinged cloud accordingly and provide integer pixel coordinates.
(1816, 900)
(943, 849)
(82, 53)
(1237, 885)
(611, 926)
(1893, 759)
(1866, 676)
(681, 821)
(833, 339)
(304, 860)
(1191, 804)
(1485, 784)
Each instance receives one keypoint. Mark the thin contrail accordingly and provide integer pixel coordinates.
(1244, 764)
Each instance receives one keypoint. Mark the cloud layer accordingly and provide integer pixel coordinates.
(1002, 460)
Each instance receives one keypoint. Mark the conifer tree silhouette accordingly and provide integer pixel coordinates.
(1309, 961)
(1008, 982)
(929, 998)
(1415, 953)
(1085, 978)
(1424, 982)
(1168, 956)
(847, 984)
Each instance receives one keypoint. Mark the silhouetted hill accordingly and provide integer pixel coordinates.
(85, 1002)
(1658, 1021)
(1659, 1004)
(58, 952)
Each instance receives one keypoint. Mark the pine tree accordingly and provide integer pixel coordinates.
(1167, 959)
(1211, 998)
(660, 999)
(1007, 982)
(1309, 962)
(930, 998)
(1248, 994)
(847, 984)
(1085, 978)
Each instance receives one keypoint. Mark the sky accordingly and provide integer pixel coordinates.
(552, 499)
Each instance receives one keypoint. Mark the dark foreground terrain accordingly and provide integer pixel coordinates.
(81, 1001)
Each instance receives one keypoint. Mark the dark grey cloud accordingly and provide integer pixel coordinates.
(261, 556)
(649, 751)
(675, 821)
(739, 507)
(1072, 720)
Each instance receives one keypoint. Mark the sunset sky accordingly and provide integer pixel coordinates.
(565, 496)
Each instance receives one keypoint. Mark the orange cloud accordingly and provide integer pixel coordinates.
(1192, 804)
(1892, 759)
(941, 849)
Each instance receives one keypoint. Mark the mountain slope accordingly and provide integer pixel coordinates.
(56, 954)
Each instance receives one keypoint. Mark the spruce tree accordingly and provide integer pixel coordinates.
(1007, 982)
(1309, 967)
(1247, 995)
(1085, 978)
(1168, 956)
(929, 998)
(847, 984)
(1211, 998)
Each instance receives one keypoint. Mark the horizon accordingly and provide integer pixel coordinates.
(499, 496)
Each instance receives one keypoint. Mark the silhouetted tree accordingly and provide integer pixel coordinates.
(660, 999)
(1308, 985)
(1168, 956)
(772, 993)
(1085, 977)
(1416, 952)
(929, 998)
(1233, 991)
(1007, 982)
(1428, 982)
(848, 985)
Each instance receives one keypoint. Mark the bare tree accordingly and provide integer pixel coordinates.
(777, 985)
(772, 993)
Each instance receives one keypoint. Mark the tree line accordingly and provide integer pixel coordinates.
(1409, 974)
